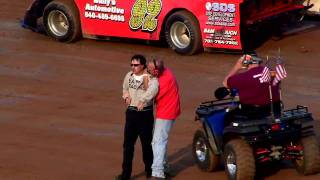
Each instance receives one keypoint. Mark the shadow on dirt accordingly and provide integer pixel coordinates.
(271, 168)
(256, 37)
(138, 176)
(181, 160)
(178, 162)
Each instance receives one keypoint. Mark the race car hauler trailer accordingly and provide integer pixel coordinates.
(188, 26)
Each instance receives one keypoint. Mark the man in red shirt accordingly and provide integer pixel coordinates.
(247, 78)
(167, 110)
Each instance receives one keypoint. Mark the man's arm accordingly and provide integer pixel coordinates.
(235, 69)
(151, 92)
(125, 89)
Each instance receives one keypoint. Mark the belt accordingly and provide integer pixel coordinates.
(134, 108)
(251, 106)
(259, 106)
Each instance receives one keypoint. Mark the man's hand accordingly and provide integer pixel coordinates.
(140, 106)
(239, 64)
(127, 101)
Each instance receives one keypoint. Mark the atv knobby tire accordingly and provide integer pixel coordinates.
(208, 161)
(310, 162)
(240, 153)
(61, 21)
(182, 32)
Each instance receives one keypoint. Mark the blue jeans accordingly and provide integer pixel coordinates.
(159, 146)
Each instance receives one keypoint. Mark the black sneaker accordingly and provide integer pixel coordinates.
(148, 174)
(169, 174)
(120, 177)
(26, 25)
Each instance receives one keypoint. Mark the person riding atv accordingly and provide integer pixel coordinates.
(243, 132)
(251, 80)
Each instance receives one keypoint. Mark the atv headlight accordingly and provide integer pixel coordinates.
(235, 124)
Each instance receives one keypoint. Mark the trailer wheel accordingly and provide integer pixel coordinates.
(295, 19)
(310, 162)
(183, 34)
(61, 21)
(202, 153)
(239, 160)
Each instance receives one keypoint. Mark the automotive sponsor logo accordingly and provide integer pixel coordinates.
(221, 36)
(220, 14)
(144, 15)
(220, 7)
(221, 24)
(105, 2)
(226, 32)
(104, 10)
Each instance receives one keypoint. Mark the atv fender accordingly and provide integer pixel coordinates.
(211, 139)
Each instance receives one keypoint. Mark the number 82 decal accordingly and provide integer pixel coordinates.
(144, 14)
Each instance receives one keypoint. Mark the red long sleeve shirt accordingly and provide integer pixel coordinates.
(167, 100)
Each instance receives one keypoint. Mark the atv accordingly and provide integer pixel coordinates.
(245, 143)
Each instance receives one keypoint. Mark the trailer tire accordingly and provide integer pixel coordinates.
(295, 19)
(61, 21)
(203, 154)
(239, 160)
(183, 34)
(310, 162)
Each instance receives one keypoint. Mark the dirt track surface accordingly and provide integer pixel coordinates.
(61, 115)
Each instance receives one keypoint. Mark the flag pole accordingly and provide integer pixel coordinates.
(270, 92)
(280, 90)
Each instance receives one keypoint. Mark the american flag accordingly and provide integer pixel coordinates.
(265, 75)
(280, 74)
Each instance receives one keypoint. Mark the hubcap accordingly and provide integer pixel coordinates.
(58, 23)
(231, 164)
(180, 35)
(201, 150)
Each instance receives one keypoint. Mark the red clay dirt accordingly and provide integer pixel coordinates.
(61, 113)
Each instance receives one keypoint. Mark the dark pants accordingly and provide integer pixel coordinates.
(257, 112)
(34, 12)
(138, 124)
(248, 112)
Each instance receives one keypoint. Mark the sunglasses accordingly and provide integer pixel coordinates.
(135, 65)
